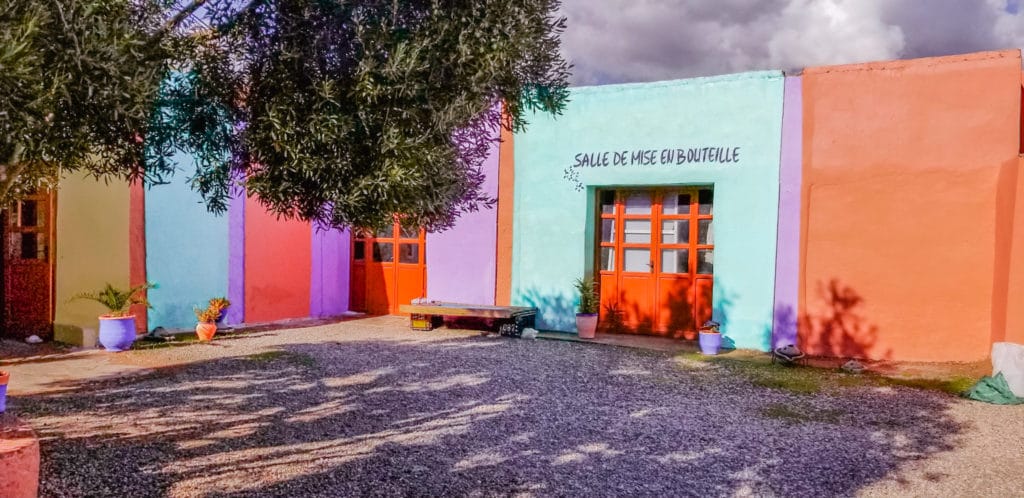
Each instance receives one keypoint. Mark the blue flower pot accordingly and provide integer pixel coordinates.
(4, 376)
(117, 334)
(710, 343)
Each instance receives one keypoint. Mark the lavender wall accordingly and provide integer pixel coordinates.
(461, 262)
(787, 257)
(329, 278)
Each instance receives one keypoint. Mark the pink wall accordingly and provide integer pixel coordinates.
(278, 265)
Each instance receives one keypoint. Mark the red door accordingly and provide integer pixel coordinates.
(388, 269)
(656, 271)
(28, 267)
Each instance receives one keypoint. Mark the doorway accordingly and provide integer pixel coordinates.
(655, 254)
(388, 269)
(28, 267)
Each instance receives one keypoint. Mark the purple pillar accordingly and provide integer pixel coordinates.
(329, 278)
(787, 257)
(236, 257)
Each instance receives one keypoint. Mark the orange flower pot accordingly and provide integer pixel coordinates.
(205, 331)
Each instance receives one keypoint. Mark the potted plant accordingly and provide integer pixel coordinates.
(586, 318)
(209, 316)
(4, 377)
(117, 326)
(710, 338)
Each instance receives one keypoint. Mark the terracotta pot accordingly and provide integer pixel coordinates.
(206, 330)
(586, 325)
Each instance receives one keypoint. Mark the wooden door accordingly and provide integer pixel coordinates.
(28, 267)
(656, 271)
(388, 269)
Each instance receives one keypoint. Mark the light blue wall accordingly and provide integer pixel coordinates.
(553, 221)
(186, 251)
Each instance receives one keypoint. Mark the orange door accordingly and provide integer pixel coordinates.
(28, 267)
(388, 269)
(656, 272)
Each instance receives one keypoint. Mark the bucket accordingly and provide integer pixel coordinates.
(117, 333)
(710, 343)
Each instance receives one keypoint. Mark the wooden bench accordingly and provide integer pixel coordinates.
(513, 319)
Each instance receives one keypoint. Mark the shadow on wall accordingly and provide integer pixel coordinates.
(838, 329)
(554, 311)
(473, 416)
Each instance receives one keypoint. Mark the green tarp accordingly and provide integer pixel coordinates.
(993, 390)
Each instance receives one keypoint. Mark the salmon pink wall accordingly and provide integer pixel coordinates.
(909, 177)
(506, 197)
(277, 266)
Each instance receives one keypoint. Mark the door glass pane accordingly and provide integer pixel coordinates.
(410, 232)
(675, 203)
(675, 232)
(638, 202)
(386, 233)
(408, 253)
(29, 214)
(359, 251)
(383, 252)
(607, 259)
(636, 260)
(637, 231)
(675, 261)
(705, 261)
(607, 230)
(706, 198)
(608, 202)
(705, 232)
(28, 246)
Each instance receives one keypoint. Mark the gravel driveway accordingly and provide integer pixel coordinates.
(367, 408)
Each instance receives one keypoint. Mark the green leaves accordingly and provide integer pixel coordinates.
(78, 80)
(352, 113)
(348, 113)
(117, 301)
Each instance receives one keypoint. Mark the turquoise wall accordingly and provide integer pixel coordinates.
(186, 251)
(553, 237)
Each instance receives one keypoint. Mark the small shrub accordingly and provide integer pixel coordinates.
(588, 295)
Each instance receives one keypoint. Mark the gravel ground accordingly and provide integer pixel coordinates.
(368, 408)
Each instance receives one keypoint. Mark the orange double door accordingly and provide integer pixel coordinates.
(655, 256)
(388, 269)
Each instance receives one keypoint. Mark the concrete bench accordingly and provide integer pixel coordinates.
(512, 319)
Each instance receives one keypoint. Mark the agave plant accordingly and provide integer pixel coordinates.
(118, 301)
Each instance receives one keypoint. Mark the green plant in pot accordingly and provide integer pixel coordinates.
(586, 317)
(209, 316)
(117, 326)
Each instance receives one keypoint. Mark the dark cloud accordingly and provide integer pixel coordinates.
(646, 40)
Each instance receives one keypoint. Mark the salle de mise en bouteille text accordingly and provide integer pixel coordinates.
(650, 157)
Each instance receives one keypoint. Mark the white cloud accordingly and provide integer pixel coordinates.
(645, 40)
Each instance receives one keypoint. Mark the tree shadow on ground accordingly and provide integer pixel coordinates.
(472, 416)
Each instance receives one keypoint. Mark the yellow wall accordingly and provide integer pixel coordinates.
(92, 246)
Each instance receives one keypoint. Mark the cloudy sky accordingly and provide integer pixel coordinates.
(612, 41)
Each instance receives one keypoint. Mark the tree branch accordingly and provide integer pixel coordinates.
(191, 8)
